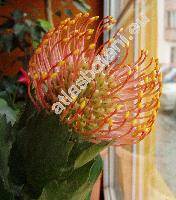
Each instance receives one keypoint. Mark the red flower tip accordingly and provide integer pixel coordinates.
(24, 78)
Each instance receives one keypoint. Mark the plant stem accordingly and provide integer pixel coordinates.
(48, 11)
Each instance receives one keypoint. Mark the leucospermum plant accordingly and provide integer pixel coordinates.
(118, 104)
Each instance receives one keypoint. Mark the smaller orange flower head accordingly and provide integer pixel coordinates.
(119, 103)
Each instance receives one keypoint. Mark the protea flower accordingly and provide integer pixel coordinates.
(119, 102)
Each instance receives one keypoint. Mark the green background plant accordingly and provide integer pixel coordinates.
(40, 158)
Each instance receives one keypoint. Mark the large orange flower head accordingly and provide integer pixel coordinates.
(91, 87)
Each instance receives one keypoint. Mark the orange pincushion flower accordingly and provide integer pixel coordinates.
(119, 104)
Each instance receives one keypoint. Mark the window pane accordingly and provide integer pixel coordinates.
(147, 170)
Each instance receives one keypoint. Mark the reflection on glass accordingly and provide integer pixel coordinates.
(147, 171)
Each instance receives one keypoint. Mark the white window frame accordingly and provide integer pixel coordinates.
(110, 193)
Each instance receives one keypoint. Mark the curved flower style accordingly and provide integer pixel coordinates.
(120, 103)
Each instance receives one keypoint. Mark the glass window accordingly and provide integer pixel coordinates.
(171, 19)
(173, 54)
(146, 171)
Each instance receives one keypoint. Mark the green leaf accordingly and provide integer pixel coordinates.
(70, 188)
(89, 154)
(88, 196)
(95, 169)
(36, 33)
(43, 157)
(78, 148)
(7, 42)
(35, 43)
(17, 15)
(11, 114)
(45, 25)
(81, 5)
(4, 194)
(78, 186)
(5, 147)
(19, 29)
(11, 91)
(68, 12)
(42, 147)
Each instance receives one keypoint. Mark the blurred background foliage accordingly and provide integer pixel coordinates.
(20, 34)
